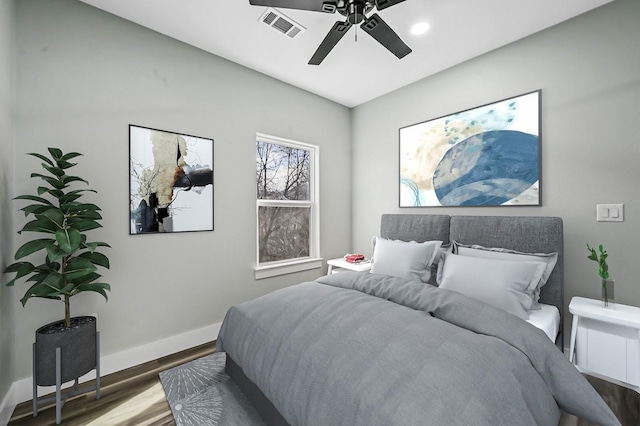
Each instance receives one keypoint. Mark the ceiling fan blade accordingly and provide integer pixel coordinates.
(383, 4)
(328, 6)
(338, 30)
(378, 29)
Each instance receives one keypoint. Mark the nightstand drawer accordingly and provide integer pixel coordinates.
(606, 354)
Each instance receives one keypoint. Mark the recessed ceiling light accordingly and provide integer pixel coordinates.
(420, 28)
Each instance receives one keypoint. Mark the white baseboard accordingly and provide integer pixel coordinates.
(7, 406)
(21, 390)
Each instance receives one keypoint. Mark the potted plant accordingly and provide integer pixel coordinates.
(603, 272)
(69, 266)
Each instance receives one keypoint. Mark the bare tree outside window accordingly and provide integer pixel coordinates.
(283, 179)
(282, 172)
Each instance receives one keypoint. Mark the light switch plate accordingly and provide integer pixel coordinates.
(610, 212)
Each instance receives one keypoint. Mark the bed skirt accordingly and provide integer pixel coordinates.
(269, 414)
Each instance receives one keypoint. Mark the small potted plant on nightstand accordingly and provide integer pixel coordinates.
(603, 272)
(68, 267)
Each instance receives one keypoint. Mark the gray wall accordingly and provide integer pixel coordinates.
(7, 107)
(587, 69)
(83, 76)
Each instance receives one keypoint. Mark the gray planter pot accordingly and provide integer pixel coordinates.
(77, 349)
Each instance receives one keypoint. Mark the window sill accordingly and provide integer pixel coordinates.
(276, 269)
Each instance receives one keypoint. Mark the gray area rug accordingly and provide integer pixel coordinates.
(201, 394)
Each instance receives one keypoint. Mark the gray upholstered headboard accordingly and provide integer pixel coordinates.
(532, 234)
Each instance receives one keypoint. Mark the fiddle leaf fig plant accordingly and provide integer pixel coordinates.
(71, 260)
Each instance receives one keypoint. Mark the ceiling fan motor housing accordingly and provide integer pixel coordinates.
(355, 10)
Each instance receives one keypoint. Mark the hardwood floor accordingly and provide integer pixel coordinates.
(130, 397)
(624, 402)
(134, 397)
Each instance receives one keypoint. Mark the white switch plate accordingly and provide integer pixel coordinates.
(610, 212)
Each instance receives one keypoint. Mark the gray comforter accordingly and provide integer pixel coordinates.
(367, 349)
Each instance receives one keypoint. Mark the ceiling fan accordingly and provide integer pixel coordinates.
(355, 11)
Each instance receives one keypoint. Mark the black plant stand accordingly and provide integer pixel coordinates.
(61, 397)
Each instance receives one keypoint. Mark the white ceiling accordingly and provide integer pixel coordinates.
(354, 72)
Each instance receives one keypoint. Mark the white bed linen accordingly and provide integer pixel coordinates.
(547, 318)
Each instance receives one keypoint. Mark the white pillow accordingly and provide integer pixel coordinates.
(550, 260)
(404, 259)
(501, 283)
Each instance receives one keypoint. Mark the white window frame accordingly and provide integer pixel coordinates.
(313, 261)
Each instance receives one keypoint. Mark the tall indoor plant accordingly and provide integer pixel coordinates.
(603, 272)
(69, 265)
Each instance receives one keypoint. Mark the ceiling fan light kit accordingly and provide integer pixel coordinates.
(420, 28)
(355, 12)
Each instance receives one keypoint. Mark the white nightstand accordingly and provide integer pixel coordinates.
(606, 341)
(340, 263)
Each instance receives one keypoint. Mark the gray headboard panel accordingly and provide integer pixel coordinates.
(532, 234)
(415, 227)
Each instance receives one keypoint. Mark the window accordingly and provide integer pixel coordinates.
(287, 206)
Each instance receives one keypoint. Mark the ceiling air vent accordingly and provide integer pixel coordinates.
(276, 19)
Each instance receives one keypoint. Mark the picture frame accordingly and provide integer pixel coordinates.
(483, 156)
(170, 182)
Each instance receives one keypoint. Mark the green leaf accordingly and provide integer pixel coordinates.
(55, 216)
(96, 287)
(95, 245)
(34, 198)
(50, 180)
(65, 164)
(54, 281)
(82, 211)
(68, 239)
(21, 269)
(69, 156)
(68, 179)
(56, 171)
(78, 267)
(69, 197)
(50, 265)
(54, 253)
(40, 225)
(32, 246)
(68, 289)
(54, 192)
(35, 209)
(56, 153)
(42, 157)
(80, 207)
(87, 279)
(83, 224)
(89, 214)
(25, 298)
(45, 286)
(96, 258)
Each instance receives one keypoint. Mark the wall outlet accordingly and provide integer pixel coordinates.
(610, 212)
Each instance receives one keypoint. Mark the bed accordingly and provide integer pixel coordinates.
(387, 348)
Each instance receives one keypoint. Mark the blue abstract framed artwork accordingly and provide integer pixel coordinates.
(170, 182)
(484, 156)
